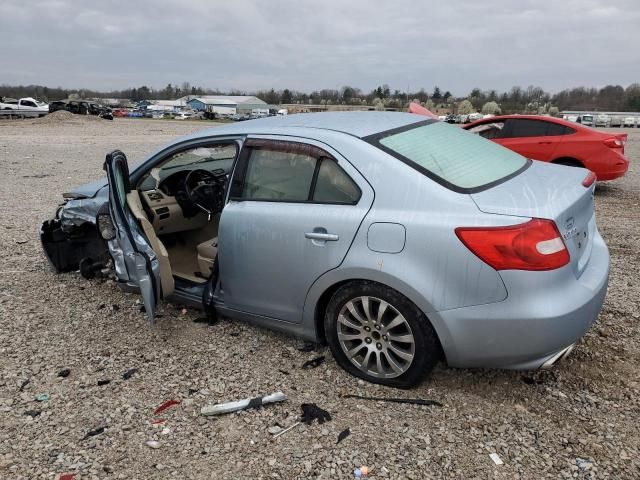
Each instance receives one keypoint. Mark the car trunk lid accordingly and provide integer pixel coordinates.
(552, 192)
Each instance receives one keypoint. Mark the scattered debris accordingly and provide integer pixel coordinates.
(94, 432)
(24, 384)
(158, 421)
(274, 430)
(33, 413)
(311, 412)
(284, 372)
(152, 444)
(43, 397)
(22, 242)
(192, 391)
(67, 476)
(165, 405)
(287, 429)
(496, 459)
(361, 472)
(129, 373)
(316, 362)
(103, 382)
(308, 347)
(64, 373)
(229, 407)
(165, 431)
(343, 434)
(412, 401)
(583, 464)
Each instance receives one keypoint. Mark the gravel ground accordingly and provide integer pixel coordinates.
(539, 423)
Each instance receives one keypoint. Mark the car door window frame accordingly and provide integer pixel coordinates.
(237, 183)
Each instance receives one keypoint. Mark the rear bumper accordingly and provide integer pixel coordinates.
(544, 314)
(613, 166)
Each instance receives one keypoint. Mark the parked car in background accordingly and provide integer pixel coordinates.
(602, 120)
(135, 114)
(182, 115)
(24, 107)
(121, 112)
(554, 140)
(57, 105)
(473, 117)
(316, 225)
(616, 121)
(630, 121)
(585, 119)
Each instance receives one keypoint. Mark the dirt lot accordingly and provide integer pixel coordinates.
(539, 423)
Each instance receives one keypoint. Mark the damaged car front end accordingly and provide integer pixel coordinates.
(71, 240)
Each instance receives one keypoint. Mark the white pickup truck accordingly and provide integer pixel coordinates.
(25, 107)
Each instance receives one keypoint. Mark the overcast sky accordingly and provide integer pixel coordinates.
(307, 45)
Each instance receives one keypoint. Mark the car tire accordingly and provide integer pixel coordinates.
(398, 355)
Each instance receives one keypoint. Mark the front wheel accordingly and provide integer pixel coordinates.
(377, 334)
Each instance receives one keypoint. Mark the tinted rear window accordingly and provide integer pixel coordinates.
(452, 156)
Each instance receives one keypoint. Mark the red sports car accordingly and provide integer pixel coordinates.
(558, 141)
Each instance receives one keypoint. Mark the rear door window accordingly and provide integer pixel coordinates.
(526, 128)
(333, 185)
(453, 157)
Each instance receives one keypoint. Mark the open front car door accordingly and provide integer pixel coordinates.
(135, 261)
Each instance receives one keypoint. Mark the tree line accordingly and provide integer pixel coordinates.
(532, 99)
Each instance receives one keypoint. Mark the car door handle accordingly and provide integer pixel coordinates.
(325, 237)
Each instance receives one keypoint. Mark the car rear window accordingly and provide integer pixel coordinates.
(453, 157)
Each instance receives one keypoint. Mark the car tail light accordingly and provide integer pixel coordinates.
(589, 179)
(534, 245)
(613, 142)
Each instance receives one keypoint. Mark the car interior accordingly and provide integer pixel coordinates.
(178, 204)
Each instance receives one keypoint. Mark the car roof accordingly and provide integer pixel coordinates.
(358, 124)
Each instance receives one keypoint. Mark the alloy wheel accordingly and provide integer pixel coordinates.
(375, 337)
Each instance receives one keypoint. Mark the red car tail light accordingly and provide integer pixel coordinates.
(613, 142)
(534, 245)
(589, 179)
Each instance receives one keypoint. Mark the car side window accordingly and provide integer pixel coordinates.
(553, 129)
(528, 128)
(278, 175)
(333, 185)
(489, 130)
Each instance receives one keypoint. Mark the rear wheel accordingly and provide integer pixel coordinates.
(377, 334)
(569, 162)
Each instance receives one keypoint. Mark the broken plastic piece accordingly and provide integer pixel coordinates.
(413, 401)
(165, 405)
(229, 407)
(313, 363)
(152, 444)
(103, 382)
(129, 373)
(287, 429)
(361, 472)
(64, 373)
(67, 476)
(343, 434)
(311, 412)
(24, 384)
(43, 397)
(496, 459)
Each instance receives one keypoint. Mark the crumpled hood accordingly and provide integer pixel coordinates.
(88, 190)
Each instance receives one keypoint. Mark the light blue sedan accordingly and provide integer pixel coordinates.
(397, 240)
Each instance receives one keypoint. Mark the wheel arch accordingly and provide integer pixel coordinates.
(323, 289)
(568, 161)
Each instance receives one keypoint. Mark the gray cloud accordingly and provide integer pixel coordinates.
(252, 44)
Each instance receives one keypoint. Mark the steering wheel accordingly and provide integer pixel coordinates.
(206, 189)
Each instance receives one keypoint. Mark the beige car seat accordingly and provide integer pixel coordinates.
(166, 274)
(207, 252)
